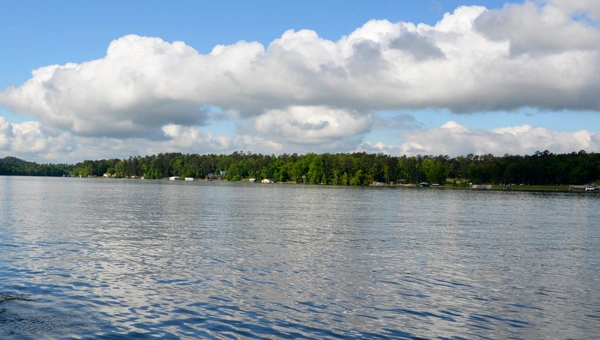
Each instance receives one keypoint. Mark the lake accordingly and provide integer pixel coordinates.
(98, 258)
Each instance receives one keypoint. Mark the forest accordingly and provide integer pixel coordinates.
(541, 168)
(12, 166)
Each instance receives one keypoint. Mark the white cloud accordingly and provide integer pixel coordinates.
(5, 133)
(191, 137)
(454, 139)
(312, 125)
(588, 8)
(144, 83)
(30, 139)
(532, 29)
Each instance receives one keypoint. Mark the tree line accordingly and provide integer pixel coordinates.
(12, 166)
(541, 168)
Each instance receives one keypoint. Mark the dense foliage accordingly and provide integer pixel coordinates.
(542, 168)
(18, 167)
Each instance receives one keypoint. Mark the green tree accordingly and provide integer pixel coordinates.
(358, 178)
(437, 173)
(120, 169)
(345, 179)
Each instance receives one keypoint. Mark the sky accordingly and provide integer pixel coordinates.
(118, 78)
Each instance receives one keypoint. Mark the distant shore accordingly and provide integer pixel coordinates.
(542, 171)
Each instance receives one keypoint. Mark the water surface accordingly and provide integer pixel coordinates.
(95, 258)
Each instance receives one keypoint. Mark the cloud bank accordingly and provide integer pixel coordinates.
(309, 93)
(455, 139)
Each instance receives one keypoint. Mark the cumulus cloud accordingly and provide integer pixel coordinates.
(144, 82)
(454, 139)
(303, 90)
(30, 139)
(539, 30)
(5, 133)
(420, 47)
(312, 125)
(132, 92)
(190, 137)
(583, 8)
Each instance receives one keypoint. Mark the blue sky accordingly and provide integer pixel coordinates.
(398, 77)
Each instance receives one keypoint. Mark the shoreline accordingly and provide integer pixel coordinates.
(566, 188)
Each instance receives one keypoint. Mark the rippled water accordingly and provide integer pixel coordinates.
(94, 258)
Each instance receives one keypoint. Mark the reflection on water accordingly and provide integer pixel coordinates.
(107, 258)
